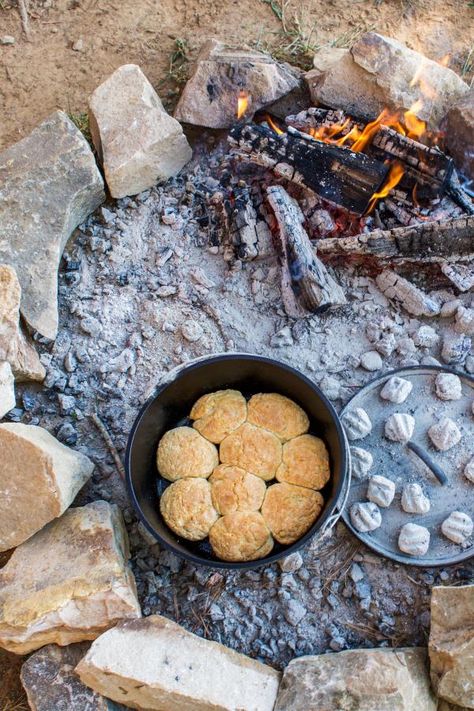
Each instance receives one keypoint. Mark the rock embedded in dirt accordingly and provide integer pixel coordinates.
(379, 72)
(69, 582)
(210, 97)
(15, 346)
(451, 644)
(175, 669)
(138, 142)
(362, 679)
(39, 479)
(7, 388)
(50, 184)
(459, 133)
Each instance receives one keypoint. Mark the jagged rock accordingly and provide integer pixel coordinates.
(69, 582)
(362, 679)
(210, 96)
(451, 644)
(7, 388)
(138, 142)
(459, 132)
(39, 479)
(50, 183)
(15, 347)
(51, 684)
(403, 292)
(175, 670)
(377, 72)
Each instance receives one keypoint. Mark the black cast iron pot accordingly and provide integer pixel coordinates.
(170, 407)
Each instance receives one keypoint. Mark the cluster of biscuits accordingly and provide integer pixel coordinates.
(223, 471)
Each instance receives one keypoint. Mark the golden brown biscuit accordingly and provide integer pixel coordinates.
(305, 462)
(186, 506)
(278, 414)
(183, 452)
(289, 511)
(241, 536)
(254, 449)
(234, 489)
(218, 414)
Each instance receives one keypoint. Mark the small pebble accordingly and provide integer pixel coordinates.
(7, 40)
(192, 331)
(78, 45)
(371, 361)
(457, 527)
(291, 563)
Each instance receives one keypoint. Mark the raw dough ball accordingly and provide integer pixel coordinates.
(218, 414)
(242, 535)
(414, 500)
(444, 434)
(448, 386)
(183, 452)
(399, 427)
(278, 414)
(254, 449)
(414, 539)
(469, 470)
(290, 511)
(457, 527)
(356, 423)
(381, 490)
(365, 516)
(305, 462)
(396, 389)
(187, 509)
(234, 489)
(361, 462)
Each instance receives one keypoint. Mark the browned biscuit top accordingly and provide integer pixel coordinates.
(241, 536)
(186, 507)
(305, 462)
(289, 511)
(183, 452)
(234, 489)
(254, 449)
(218, 414)
(278, 414)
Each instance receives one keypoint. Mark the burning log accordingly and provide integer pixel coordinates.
(303, 275)
(403, 292)
(425, 242)
(338, 175)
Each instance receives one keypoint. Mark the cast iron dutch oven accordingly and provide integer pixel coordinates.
(170, 406)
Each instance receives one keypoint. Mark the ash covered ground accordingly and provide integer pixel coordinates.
(142, 292)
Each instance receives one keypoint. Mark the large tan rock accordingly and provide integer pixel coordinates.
(49, 184)
(7, 388)
(459, 133)
(378, 72)
(362, 679)
(451, 644)
(15, 347)
(39, 479)
(69, 582)
(210, 96)
(138, 142)
(173, 669)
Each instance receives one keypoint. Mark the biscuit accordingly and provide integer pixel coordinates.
(241, 536)
(183, 452)
(278, 414)
(218, 414)
(234, 489)
(305, 462)
(289, 511)
(254, 449)
(186, 507)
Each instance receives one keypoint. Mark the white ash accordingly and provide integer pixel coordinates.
(426, 337)
(361, 462)
(414, 499)
(464, 321)
(356, 423)
(399, 427)
(396, 389)
(457, 527)
(365, 516)
(381, 490)
(444, 434)
(414, 539)
(448, 386)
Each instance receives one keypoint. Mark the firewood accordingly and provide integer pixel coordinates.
(406, 294)
(303, 275)
(338, 175)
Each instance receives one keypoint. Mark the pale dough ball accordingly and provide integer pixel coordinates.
(361, 462)
(254, 449)
(365, 516)
(183, 452)
(414, 500)
(396, 389)
(414, 539)
(234, 489)
(290, 511)
(457, 527)
(218, 414)
(448, 386)
(381, 490)
(305, 462)
(278, 414)
(242, 535)
(399, 427)
(186, 507)
(356, 423)
(444, 434)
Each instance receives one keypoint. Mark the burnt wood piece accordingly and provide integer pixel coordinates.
(244, 224)
(337, 174)
(459, 196)
(323, 118)
(426, 242)
(306, 282)
(461, 275)
(403, 292)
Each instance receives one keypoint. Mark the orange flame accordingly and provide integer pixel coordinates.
(395, 174)
(242, 103)
(273, 125)
(415, 126)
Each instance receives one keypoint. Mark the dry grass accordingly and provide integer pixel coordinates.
(12, 695)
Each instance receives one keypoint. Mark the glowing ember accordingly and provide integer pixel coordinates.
(242, 103)
(394, 176)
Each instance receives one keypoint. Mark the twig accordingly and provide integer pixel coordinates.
(108, 441)
(23, 9)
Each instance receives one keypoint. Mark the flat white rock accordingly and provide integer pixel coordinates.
(361, 462)
(448, 386)
(414, 500)
(457, 527)
(414, 539)
(396, 389)
(357, 423)
(381, 490)
(399, 427)
(365, 516)
(444, 434)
